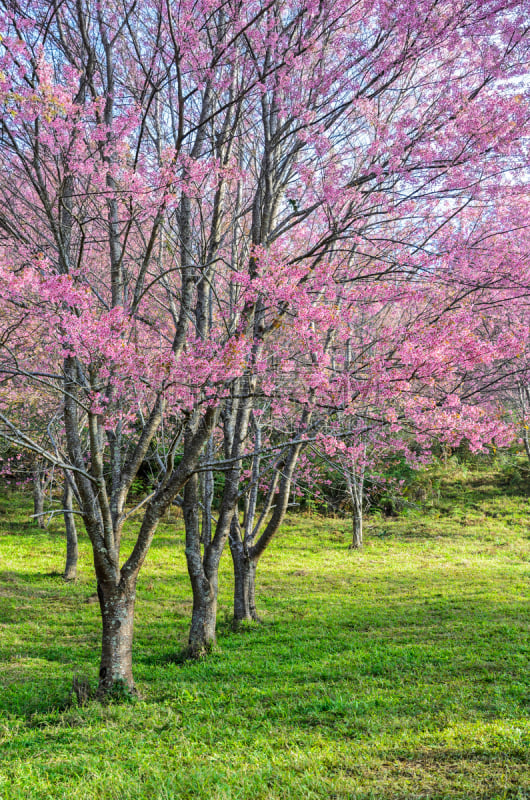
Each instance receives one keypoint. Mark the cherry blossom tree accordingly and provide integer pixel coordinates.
(197, 199)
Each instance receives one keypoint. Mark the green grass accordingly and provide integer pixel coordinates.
(401, 671)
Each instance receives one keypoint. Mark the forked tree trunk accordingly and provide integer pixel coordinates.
(70, 570)
(117, 613)
(246, 553)
(38, 496)
(104, 516)
(244, 584)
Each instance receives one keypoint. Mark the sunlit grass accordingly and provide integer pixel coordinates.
(397, 672)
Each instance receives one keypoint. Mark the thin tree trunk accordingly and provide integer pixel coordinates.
(117, 613)
(244, 566)
(70, 570)
(38, 496)
(524, 403)
(207, 495)
(355, 484)
(357, 540)
(526, 441)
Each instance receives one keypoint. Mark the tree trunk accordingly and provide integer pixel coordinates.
(357, 541)
(203, 555)
(355, 484)
(246, 553)
(207, 481)
(526, 441)
(244, 584)
(524, 405)
(38, 496)
(203, 619)
(204, 586)
(117, 613)
(70, 570)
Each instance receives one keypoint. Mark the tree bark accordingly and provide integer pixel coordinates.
(202, 637)
(355, 484)
(357, 540)
(70, 569)
(245, 551)
(38, 496)
(204, 587)
(203, 556)
(117, 613)
(244, 584)
(526, 440)
(524, 406)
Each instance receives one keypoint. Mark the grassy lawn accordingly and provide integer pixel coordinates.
(398, 672)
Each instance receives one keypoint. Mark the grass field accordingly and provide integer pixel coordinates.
(401, 671)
